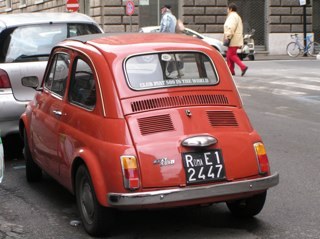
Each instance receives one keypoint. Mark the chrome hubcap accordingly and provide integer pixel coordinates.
(87, 203)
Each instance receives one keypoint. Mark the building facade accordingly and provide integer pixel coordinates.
(273, 20)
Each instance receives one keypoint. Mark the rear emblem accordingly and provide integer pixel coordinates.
(164, 162)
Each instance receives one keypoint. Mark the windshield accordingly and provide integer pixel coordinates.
(171, 69)
(34, 42)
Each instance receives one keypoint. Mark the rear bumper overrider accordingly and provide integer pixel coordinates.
(192, 193)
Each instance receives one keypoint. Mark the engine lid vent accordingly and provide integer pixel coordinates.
(222, 118)
(155, 124)
(173, 101)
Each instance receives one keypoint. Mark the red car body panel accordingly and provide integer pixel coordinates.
(120, 122)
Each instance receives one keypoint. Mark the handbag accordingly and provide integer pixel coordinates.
(226, 42)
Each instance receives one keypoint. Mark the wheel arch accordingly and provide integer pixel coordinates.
(24, 127)
(89, 160)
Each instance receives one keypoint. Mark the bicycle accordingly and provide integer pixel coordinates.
(296, 47)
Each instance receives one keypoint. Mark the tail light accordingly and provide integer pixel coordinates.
(262, 158)
(130, 172)
(4, 80)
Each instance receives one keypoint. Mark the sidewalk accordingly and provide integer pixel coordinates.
(263, 57)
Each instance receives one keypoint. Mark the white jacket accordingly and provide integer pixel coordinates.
(233, 29)
(168, 22)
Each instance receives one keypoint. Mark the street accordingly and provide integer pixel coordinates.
(282, 99)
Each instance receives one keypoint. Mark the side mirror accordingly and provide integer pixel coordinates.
(30, 81)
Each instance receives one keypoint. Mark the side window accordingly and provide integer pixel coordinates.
(82, 29)
(82, 85)
(58, 74)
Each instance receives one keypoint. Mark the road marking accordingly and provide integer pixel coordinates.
(287, 92)
(296, 85)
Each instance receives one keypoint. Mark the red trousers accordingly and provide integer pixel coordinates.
(232, 58)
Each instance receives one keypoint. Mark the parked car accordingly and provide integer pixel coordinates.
(127, 125)
(26, 40)
(211, 41)
(1, 161)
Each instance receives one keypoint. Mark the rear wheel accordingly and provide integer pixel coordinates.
(313, 49)
(293, 49)
(97, 220)
(33, 171)
(248, 207)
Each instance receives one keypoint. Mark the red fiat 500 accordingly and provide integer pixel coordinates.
(135, 121)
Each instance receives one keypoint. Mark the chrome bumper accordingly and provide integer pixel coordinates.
(192, 193)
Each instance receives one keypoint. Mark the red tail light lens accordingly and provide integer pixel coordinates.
(4, 80)
(262, 158)
(130, 172)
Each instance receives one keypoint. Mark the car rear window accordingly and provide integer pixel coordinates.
(34, 42)
(170, 69)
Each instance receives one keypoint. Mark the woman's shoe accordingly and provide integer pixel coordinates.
(244, 71)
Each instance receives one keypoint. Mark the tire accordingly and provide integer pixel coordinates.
(33, 171)
(248, 207)
(293, 49)
(13, 146)
(313, 49)
(251, 57)
(96, 219)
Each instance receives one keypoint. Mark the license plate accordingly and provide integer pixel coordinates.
(203, 166)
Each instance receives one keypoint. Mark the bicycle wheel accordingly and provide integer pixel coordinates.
(313, 48)
(293, 49)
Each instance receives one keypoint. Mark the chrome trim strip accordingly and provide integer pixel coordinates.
(192, 193)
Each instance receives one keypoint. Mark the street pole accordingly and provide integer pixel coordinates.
(305, 27)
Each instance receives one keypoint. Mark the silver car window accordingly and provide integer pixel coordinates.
(34, 42)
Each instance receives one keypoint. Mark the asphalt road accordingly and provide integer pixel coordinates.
(282, 99)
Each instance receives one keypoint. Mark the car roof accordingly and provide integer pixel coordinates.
(115, 48)
(128, 40)
(21, 19)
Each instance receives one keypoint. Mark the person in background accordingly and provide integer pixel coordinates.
(168, 21)
(233, 30)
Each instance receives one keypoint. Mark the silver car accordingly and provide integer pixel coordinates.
(211, 41)
(26, 40)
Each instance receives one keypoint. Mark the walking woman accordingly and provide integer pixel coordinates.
(233, 30)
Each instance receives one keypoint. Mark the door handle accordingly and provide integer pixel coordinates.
(57, 112)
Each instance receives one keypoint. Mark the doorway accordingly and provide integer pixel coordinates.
(316, 20)
(253, 14)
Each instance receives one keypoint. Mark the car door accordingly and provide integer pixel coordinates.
(47, 117)
(80, 105)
